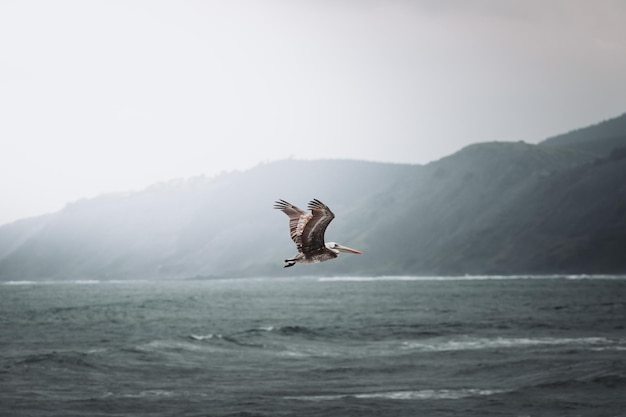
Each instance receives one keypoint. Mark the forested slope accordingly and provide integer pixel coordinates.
(491, 208)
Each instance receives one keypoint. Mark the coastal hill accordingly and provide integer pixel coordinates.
(490, 208)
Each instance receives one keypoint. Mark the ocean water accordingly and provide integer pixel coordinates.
(403, 346)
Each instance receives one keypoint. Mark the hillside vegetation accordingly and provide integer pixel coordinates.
(491, 208)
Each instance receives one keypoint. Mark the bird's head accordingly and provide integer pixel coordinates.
(336, 247)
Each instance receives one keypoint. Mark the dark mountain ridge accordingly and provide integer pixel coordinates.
(599, 139)
(491, 208)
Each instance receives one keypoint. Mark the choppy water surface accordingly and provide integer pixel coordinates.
(520, 346)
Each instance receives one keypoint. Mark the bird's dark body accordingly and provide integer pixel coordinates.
(313, 257)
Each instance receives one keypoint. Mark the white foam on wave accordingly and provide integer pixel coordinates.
(443, 394)
(169, 346)
(504, 343)
(141, 394)
(373, 279)
(464, 278)
(70, 282)
(206, 336)
(428, 394)
(388, 278)
(310, 351)
(406, 278)
(614, 347)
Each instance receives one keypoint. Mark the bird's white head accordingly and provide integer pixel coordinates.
(336, 247)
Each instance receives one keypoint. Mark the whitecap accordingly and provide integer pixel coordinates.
(205, 337)
(19, 282)
(464, 278)
(442, 394)
(141, 394)
(167, 346)
(428, 394)
(505, 343)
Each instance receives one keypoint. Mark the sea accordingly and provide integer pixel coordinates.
(336, 346)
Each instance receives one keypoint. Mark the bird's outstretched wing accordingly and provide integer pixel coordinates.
(298, 219)
(314, 229)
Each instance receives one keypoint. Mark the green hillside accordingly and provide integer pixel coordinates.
(599, 139)
(491, 208)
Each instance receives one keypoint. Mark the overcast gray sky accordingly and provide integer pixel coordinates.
(103, 96)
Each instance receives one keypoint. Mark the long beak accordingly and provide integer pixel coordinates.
(347, 249)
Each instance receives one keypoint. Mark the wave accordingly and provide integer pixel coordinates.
(428, 394)
(65, 359)
(229, 339)
(465, 278)
(289, 340)
(48, 282)
(295, 330)
(610, 381)
(75, 281)
(345, 279)
(603, 380)
(282, 330)
(295, 340)
(302, 341)
(209, 336)
(155, 393)
(592, 343)
(287, 330)
(166, 346)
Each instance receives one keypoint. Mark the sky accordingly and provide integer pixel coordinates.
(108, 96)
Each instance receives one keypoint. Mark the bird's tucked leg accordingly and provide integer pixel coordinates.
(289, 262)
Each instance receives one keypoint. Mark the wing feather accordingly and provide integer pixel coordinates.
(298, 219)
(314, 229)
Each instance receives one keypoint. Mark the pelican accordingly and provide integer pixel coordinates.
(307, 232)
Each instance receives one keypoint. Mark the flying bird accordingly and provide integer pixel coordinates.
(307, 232)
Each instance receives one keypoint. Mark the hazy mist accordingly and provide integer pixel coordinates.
(109, 96)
